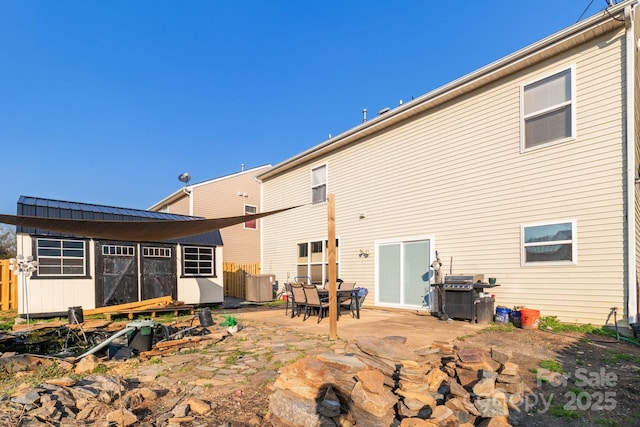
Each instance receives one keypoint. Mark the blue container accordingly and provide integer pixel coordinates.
(503, 314)
(516, 319)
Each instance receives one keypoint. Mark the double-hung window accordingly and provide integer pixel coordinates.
(199, 261)
(313, 260)
(250, 210)
(319, 184)
(61, 257)
(548, 110)
(553, 242)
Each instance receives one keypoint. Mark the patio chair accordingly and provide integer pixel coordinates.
(289, 297)
(346, 302)
(326, 283)
(313, 302)
(298, 299)
(362, 294)
(302, 279)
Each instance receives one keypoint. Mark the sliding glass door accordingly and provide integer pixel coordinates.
(402, 272)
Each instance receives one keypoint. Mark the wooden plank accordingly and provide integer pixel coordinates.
(176, 309)
(130, 305)
(182, 341)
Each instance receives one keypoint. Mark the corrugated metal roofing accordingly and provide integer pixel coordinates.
(50, 208)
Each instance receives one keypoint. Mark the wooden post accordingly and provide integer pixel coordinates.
(333, 275)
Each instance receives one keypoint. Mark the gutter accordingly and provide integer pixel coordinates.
(424, 102)
(189, 192)
(631, 279)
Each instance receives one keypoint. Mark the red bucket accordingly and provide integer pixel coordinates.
(530, 318)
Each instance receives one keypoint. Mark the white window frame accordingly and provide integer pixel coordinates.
(156, 252)
(200, 263)
(118, 250)
(402, 241)
(255, 221)
(64, 255)
(551, 108)
(319, 184)
(573, 241)
(323, 262)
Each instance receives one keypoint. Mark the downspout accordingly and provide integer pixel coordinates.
(632, 288)
(189, 192)
(261, 228)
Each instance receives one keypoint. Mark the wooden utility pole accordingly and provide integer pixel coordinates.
(331, 270)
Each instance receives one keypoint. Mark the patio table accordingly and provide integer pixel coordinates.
(353, 293)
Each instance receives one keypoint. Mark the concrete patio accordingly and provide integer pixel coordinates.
(418, 326)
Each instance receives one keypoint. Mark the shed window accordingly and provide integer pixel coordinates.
(199, 261)
(155, 252)
(250, 210)
(118, 250)
(549, 243)
(319, 184)
(60, 257)
(547, 108)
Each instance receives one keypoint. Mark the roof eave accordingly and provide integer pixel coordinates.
(580, 32)
(179, 194)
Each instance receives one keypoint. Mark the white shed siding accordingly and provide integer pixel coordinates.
(57, 295)
(457, 172)
(201, 290)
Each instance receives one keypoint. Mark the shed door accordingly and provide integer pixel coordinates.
(116, 273)
(159, 272)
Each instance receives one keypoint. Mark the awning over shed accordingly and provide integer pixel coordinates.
(62, 218)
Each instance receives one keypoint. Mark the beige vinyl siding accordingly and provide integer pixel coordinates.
(456, 172)
(218, 199)
(180, 206)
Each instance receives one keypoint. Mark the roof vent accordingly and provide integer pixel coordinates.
(384, 110)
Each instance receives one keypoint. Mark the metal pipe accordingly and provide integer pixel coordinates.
(106, 342)
(136, 324)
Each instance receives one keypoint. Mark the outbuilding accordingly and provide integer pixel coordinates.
(74, 271)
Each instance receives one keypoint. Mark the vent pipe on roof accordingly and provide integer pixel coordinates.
(241, 167)
(364, 115)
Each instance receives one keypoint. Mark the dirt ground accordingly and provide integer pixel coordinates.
(599, 386)
(598, 383)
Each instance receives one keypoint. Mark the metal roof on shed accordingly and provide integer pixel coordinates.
(50, 208)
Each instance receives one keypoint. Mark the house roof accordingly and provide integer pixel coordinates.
(60, 209)
(603, 22)
(180, 193)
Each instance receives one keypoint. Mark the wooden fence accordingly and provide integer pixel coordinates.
(8, 287)
(235, 278)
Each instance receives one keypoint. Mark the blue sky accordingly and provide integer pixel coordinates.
(108, 102)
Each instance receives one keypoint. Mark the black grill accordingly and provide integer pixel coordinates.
(459, 297)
